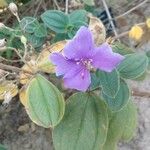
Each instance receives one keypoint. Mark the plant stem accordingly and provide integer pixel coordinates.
(66, 9)
(109, 17)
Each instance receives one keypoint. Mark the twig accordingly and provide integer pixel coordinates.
(127, 32)
(109, 17)
(66, 9)
(135, 92)
(4, 59)
(10, 68)
(132, 9)
(39, 3)
(55, 2)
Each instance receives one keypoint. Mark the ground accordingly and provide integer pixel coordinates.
(17, 132)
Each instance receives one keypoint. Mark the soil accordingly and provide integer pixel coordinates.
(17, 132)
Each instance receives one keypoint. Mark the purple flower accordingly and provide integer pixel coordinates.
(79, 56)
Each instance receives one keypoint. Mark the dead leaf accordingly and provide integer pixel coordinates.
(24, 128)
(8, 87)
(23, 95)
(27, 71)
(43, 62)
(98, 30)
(3, 3)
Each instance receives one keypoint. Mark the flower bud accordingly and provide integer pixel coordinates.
(23, 40)
(13, 8)
(2, 42)
(136, 32)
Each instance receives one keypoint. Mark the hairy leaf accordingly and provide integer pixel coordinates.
(84, 126)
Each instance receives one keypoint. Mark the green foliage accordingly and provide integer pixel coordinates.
(133, 66)
(55, 20)
(35, 32)
(2, 147)
(121, 48)
(95, 80)
(28, 24)
(89, 2)
(122, 125)
(35, 41)
(12, 38)
(45, 104)
(66, 25)
(84, 126)
(78, 15)
(110, 82)
(40, 31)
(120, 100)
(148, 55)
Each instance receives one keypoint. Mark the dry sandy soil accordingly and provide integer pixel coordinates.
(17, 132)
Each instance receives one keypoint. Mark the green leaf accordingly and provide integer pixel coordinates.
(89, 2)
(133, 66)
(121, 48)
(95, 81)
(120, 100)
(56, 20)
(148, 55)
(122, 125)
(2, 147)
(40, 31)
(29, 24)
(45, 103)
(110, 82)
(84, 126)
(78, 15)
(59, 37)
(35, 41)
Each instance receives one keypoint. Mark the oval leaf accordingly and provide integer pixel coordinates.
(110, 82)
(78, 15)
(28, 24)
(40, 31)
(84, 126)
(122, 125)
(121, 48)
(55, 20)
(45, 104)
(133, 66)
(120, 100)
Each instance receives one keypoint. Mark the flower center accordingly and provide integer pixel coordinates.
(85, 62)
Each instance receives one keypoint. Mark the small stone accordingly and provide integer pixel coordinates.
(24, 128)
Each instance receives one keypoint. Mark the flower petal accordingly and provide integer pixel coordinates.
(80, 81)
(62, 64)
(105, 59)
(81, 45)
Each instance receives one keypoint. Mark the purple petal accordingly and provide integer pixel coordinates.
(81, 45)
(62, 64)
(80, 81)
(105, 59)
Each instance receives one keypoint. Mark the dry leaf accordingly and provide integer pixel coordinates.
(98, 30)
(8, 87)
(3, 3)
(27, 71)
(23, 96)
(43, 62)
